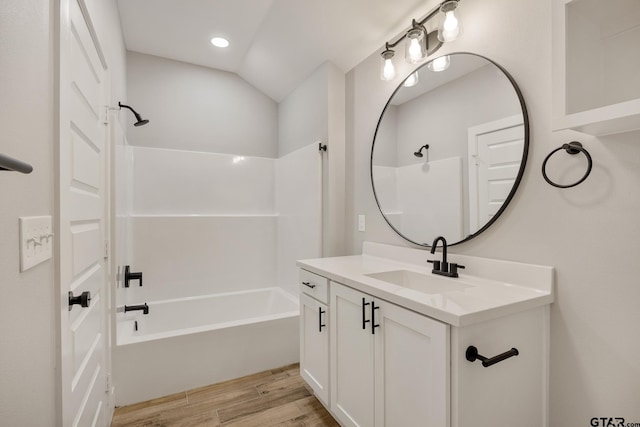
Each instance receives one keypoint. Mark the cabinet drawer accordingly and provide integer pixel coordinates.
(314, 285)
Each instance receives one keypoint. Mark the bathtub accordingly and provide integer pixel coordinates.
(192, 342)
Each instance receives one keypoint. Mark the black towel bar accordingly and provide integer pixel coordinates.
(472, 355)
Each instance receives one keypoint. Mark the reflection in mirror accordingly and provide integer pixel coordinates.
(469, 125)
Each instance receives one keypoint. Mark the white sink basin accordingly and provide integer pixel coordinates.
(427, 283)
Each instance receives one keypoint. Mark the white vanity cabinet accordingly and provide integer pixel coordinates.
(384, 342)
(314, 333)
(389, 365)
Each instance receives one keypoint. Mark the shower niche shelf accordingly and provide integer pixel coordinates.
(596, 89)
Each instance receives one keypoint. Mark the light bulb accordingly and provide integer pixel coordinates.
(450, 27)
(414, 50)
(388, 71)
(416, 46)
(439, 64)
(412, 80)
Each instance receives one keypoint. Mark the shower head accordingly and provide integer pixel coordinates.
(419, 152)
(139, 120)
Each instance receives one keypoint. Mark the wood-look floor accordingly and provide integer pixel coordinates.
(278, 397)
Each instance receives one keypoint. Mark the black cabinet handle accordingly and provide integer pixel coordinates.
(82, 300)
(320, 324)
(364, 320)
(373, 317)
(309, 285)
(128, 276)
(472, 355)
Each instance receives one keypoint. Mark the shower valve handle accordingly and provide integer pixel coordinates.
(128, 276)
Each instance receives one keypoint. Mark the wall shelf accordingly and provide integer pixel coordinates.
(596, 89)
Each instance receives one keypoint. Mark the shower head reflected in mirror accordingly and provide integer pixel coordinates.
(139, 120)
(418, 153)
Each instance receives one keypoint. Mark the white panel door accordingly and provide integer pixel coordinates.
(412, 369)
(352, 376)
(314, 346)
(495, 153)
(81, 225)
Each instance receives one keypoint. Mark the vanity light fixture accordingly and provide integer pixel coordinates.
(412, 80)
(439, 64)
(420, 42)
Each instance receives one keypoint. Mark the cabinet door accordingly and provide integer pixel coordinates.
(412, 369)
(314, 346)
(352, 376)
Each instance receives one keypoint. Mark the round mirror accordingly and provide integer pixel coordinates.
(449, 149)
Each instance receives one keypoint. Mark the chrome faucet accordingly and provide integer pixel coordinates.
(443, 268)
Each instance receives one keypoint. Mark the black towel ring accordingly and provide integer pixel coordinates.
(574, 147)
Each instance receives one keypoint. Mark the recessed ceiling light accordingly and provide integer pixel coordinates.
(220, 42)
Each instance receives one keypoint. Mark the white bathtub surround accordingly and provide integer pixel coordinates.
(417, 206)
(299, 204)
(176, 182)
(183, 256)
(218, 235)
(192, 342)
(205, 223)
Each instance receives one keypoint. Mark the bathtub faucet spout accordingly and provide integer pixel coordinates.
(144, 307)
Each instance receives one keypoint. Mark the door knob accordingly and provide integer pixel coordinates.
(83, 299)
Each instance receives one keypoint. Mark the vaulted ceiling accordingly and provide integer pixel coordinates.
(274, 44)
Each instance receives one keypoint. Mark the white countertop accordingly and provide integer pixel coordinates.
(500, 288)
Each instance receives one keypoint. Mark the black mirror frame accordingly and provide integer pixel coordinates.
(525, 152)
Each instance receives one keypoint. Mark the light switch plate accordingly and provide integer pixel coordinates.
(36, 241)
(361, 223)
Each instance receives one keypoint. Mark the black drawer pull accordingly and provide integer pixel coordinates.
(373, 317)
(320, 324)
(309, 285)
(364, 320)
(472, 355)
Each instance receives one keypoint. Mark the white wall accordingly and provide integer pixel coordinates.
(200, 109)
(589, 233)
(28, 358)
(303, 114)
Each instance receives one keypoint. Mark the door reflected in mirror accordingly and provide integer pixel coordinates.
(449, 151)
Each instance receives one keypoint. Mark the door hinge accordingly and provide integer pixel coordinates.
(107, 384)
(105, 121)
(106, 249)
